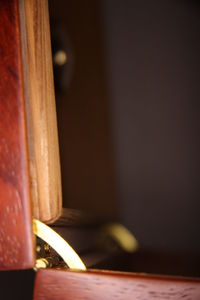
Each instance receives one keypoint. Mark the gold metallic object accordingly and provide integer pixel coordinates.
(67, 253)
(60, 57)
(38, 248)
(124, 238)
(41, 263)
(47, 248)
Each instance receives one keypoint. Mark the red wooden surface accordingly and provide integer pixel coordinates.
(96, 285)
(16, 238)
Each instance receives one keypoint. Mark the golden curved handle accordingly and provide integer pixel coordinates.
(52, 238)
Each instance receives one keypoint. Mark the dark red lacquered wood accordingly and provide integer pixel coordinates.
(16, 238)
(104, 285)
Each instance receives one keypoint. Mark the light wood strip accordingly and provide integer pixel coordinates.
(44, 159)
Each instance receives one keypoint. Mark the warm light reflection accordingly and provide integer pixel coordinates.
(67, 253)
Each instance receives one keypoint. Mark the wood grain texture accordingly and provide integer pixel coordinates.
(90, 285)
(41, 111)
(16, 235)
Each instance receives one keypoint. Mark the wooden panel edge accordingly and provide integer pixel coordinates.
(106, 285)
(16, 233)
(44, 161)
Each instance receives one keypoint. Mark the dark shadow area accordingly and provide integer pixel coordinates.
(17, 285)
(128, 116)
(83, 108)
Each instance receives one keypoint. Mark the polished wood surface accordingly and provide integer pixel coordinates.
(67, 285)
(41, 111)
(16, 237)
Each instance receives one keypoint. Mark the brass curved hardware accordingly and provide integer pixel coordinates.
(124, 238)
(67, 253)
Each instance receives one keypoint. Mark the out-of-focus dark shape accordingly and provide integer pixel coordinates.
(63, 57)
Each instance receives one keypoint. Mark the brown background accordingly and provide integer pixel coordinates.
(129, 119)
(83, 112)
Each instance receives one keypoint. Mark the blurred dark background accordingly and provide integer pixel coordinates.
(128, 113)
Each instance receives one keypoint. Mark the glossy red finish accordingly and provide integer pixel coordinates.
(104, 285)
(16, 237)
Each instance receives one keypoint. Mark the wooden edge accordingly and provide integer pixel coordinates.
(16, 234)
(77, 218)
(44, 161)
(105, 285)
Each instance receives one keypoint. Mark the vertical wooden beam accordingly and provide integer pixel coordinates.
(16, 235)
(41, 111)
